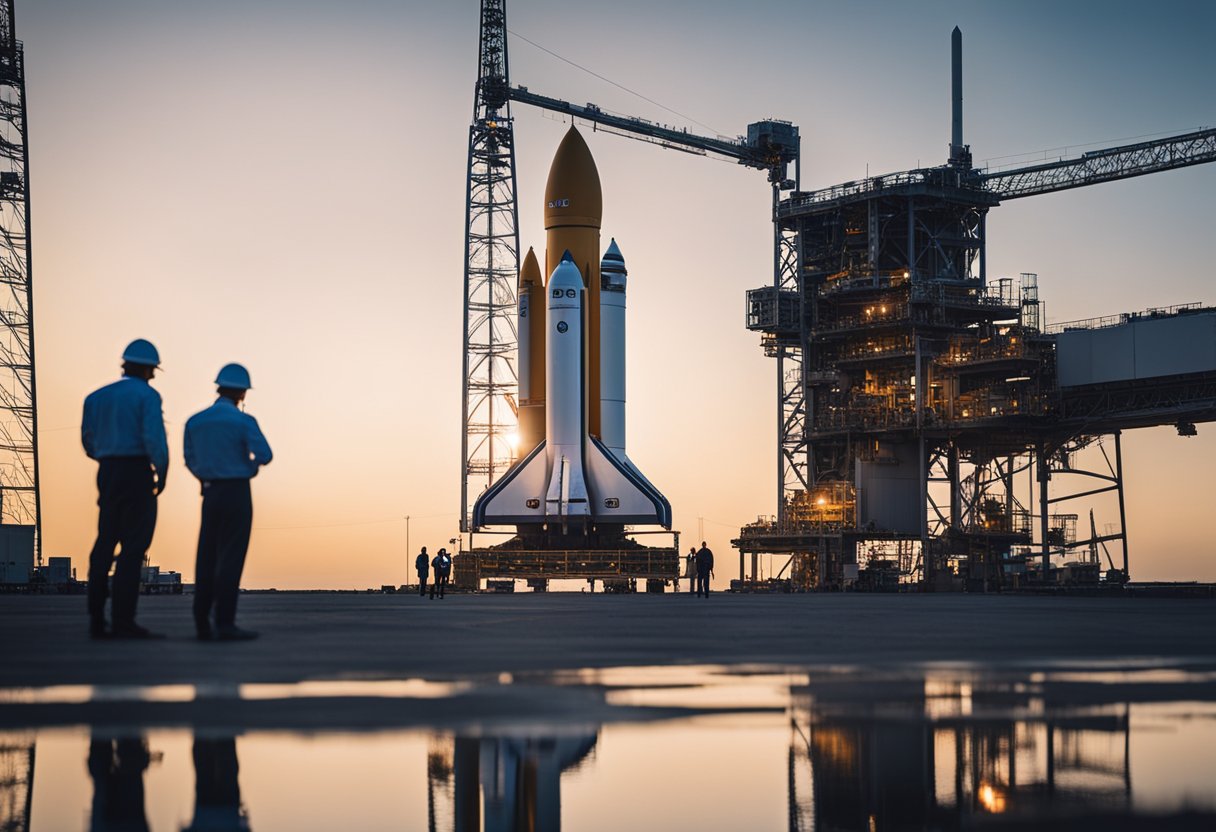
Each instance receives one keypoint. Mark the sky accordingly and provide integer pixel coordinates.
(282, 184)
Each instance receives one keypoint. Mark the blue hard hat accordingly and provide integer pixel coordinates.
(234, 376)
(140, 351)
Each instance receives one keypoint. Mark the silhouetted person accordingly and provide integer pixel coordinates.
(224, 449)
(117, 769)
(422, 564)
(443, 570)
(705, 569)
(690, 567)
(217, 793)
(123, 428)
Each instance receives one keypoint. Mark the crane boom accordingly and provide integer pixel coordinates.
(760, 149)
(1104, 165)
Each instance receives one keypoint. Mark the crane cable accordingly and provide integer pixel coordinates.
(614, 83)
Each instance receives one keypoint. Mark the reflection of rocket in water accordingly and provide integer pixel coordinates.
(517, 781)
(574, 469)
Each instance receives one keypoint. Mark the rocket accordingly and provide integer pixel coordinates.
(573, 472)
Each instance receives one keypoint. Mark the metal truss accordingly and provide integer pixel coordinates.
(491, 271)
(793, 452)
(19, 482)
(1104, 165)
(1109, 477)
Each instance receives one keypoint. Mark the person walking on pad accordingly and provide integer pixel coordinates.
(443, 569)
(690, 567)
(123, 428)
(705, 569)
(224, 449)
(422, 564)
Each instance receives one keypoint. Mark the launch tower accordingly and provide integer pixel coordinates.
(20, 503)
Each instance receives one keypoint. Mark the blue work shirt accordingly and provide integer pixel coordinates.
(222, 443)
(125, 419)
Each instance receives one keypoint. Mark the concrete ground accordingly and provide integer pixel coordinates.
(322, 635)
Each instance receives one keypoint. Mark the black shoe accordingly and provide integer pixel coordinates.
(203, 632)
(97, 629)
(134, 631)
(234, 633)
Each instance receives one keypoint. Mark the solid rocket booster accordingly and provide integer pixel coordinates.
(574, 470)
(530, 330)
(612, 350)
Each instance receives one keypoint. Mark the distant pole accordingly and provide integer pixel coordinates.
(408, 549)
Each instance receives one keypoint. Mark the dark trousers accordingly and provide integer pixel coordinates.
(126, 518)
(702, 583)
(422, 576)
(223, 540)
(440, 583)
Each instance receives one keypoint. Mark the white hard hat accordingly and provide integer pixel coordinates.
(234, 376)
(142, 352)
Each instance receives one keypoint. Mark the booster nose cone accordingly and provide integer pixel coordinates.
(572, 194)
(612, 269)
(529, 272)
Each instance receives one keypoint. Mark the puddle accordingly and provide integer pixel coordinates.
(820, 748)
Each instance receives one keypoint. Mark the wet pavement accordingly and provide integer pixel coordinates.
(1027, 731)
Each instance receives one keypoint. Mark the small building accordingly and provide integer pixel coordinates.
(16, 553)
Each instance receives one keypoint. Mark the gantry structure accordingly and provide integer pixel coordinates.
(913, 392)
(20, 503)
(926, 387)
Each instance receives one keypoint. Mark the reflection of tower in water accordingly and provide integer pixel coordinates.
(16, 782)
(939, 751)
(439, 795)
(516, 780)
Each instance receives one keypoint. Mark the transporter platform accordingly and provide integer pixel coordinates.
(620, 569)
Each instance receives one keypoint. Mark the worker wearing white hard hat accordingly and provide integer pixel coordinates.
(224, 449)
(123, 428)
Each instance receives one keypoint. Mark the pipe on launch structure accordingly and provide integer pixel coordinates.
(960, 154)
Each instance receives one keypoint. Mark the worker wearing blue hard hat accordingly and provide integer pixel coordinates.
(123, 428)
(224, 447)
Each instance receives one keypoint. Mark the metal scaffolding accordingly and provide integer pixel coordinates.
(20, 502)
(910, 377)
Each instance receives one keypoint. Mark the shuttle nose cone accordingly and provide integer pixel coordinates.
(565, 276)
(572, 194)
(529, 272)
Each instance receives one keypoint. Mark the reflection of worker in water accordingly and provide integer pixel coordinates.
(705, 569)
(443, 570)
(217, 794)
(224, 449)
(117, 769)
(123, 428)
(690, 567)
(422, 564)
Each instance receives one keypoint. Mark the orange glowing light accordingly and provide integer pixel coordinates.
(991, 798)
